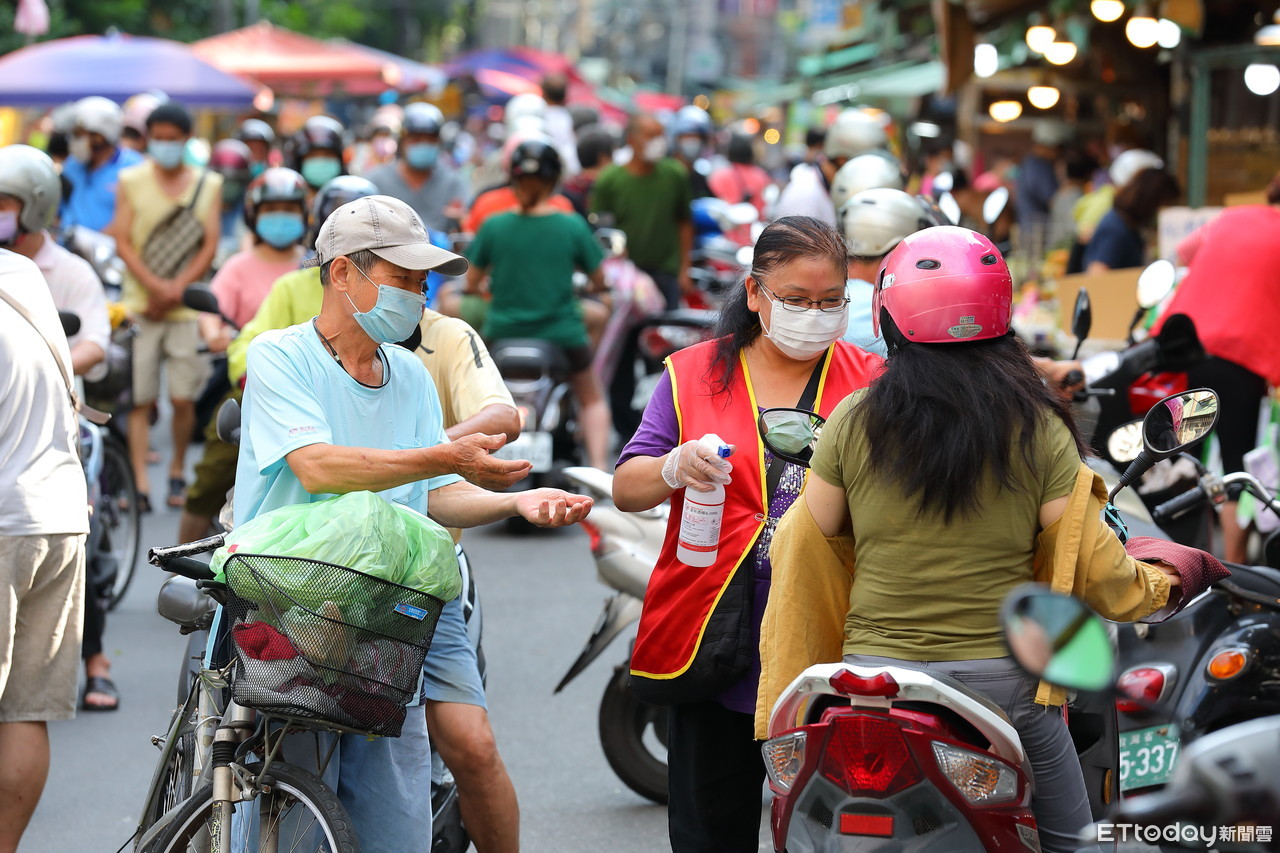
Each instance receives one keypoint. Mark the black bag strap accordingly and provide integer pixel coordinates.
(807, 399)
(195, 196)
(90, 413)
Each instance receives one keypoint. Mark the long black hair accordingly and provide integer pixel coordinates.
(941, 418)
(783, 241)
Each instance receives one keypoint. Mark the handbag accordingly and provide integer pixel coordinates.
(176, 239)
(728, 647)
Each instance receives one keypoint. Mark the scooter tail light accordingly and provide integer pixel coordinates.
(867, 824)
(1228, 663)
(783, 759)
(983, 780)
(867, 754)
(850, 684)
(1142, 685)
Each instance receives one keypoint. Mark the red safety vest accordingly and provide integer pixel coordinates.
(680, 599)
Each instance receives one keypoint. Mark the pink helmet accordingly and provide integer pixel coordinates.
(943, 285)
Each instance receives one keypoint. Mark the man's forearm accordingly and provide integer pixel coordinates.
(84, 356)
(330, 469)
(466, 505)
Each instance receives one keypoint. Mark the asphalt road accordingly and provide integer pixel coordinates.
(540, 600)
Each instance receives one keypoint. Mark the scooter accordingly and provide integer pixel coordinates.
(625, 546)
(892, 758)
(1225, 793)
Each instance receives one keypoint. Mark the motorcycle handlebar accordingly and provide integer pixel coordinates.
(162, 557)
(1179, 506)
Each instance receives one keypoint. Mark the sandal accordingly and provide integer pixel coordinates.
(102, 685)
(177, 492)
(144, 503)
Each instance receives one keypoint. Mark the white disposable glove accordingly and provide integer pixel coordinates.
(696, 465)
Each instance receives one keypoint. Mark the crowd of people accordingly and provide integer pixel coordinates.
(327, 247)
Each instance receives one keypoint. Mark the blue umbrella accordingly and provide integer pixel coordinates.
(115, 66)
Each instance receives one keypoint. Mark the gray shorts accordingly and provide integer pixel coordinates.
(1059, 799)
(41, 617)
(174, 344)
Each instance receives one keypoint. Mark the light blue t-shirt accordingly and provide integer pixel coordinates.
(297, 395)
(93, 193)
(859, 334)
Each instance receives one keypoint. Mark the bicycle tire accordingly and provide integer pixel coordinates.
(121, 515)
(292, 786)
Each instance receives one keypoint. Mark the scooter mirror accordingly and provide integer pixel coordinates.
(742, 214)
(791, 434)
(613, 241)
(1178, 422)
(227, 422)
(950, 207)
(201, 299)
(1125, 442)
(1081, 320)
(1156, 282)
(1058, 638)
(746, 255)
(994, 204)
(70, 322)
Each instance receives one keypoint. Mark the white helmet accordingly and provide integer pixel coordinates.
(1130, 163)
(876, 220)
(29, 175)
(522, 106)
(865, 172)
(854, 132)
(100, 115)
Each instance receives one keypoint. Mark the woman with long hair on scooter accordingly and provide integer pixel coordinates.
(950, 474)
(778, 342)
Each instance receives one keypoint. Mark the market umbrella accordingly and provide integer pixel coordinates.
(294, 64)
(414, 76)
(116, 66)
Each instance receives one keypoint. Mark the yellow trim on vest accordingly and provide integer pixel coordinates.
(675, 398)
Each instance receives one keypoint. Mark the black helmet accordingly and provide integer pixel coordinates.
(276, 184)
(421, 118)
(256, 130)
(318, 133)
(335, 194)
(535, 158)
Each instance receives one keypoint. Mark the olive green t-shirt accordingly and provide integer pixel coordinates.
(924, 589)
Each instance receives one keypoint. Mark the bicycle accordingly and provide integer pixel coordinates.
(222, 767)
(116, 533)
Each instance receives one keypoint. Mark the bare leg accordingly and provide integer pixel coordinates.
(139, 427)
(594, 418)
(192, 527)
(486, 796)
(1235, 542)
(184, 421)
(595, 316)
(24, 767)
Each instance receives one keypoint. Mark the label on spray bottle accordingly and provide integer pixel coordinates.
(699, 539)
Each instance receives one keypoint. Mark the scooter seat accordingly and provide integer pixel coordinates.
(1259, 579)
(529, 358)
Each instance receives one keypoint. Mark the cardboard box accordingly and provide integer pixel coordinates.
(1113, 296)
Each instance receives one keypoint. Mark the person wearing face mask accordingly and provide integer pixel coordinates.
(648, 199)
(332, 406)
(261, 139)
(691, 133)
(777, 345)
(317, 151)
(421, 177)
(232, 159)
(152, 195)
(95, 162)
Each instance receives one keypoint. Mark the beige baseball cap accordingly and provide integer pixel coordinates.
(390, 229)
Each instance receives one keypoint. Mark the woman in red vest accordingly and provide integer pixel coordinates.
(778, 344)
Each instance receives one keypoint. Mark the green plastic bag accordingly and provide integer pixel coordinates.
(359, 531)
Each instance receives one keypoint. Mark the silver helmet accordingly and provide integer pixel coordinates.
(29, 175)
(876, 220)
(864, 172)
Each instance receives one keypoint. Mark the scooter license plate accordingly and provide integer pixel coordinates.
(1148, 756)
(533, 446)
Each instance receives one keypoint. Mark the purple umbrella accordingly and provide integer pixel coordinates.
(115, 66)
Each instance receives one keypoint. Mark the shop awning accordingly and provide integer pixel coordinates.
(899, 80)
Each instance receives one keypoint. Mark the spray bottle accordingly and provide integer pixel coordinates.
(699, 541)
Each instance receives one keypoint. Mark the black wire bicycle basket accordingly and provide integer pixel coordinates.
(323, 642)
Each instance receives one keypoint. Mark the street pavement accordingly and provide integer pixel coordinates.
(540, 599)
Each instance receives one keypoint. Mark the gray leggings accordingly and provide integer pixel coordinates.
(1059, 798)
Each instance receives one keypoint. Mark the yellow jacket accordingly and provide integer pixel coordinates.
(812, 575)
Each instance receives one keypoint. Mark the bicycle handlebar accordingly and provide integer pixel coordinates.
(162, 557)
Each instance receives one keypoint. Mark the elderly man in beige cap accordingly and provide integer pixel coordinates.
(332, 406)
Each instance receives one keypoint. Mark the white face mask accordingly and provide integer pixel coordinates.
(803, 334)
(80, 149)
(655, 149)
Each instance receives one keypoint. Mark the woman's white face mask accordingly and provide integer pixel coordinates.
(803, 334)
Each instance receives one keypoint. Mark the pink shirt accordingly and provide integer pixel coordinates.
(243, 282)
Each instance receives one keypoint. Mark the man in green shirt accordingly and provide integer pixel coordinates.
(648, 199)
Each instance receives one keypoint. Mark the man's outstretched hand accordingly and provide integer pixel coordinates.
(474, 462)
(552, 507)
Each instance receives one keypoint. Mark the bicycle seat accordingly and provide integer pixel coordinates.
(529, 358)
(1258, 579)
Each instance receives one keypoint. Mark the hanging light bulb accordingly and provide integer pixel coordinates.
(1043, 97)
(1060, 52)
(1039, 37)
(1262, 79)
(1142, 30)
(1003, 111)
(1107, 10)
(986, 60)
(1168, 34)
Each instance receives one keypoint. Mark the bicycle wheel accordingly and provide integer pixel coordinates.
(121, 518)
(301, 812)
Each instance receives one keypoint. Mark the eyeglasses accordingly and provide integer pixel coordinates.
(830, 305)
